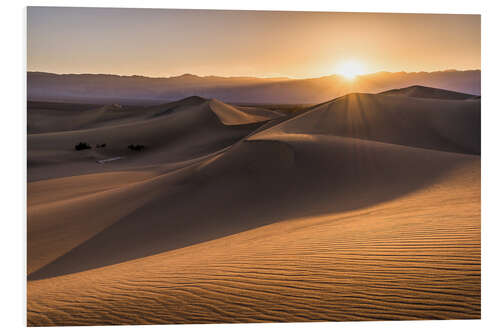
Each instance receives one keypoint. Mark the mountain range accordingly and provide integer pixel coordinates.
(106, 88)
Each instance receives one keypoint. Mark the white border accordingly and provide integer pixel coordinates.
(13, 230)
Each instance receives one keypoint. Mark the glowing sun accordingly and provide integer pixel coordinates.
(350, 69)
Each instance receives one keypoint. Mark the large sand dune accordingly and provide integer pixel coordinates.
(171, 133)
(365, 207)
(448, 125)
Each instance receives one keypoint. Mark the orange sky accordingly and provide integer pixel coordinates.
(160, 42)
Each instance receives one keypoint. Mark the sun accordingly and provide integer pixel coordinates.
(350, 69)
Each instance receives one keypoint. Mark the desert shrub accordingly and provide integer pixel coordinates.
(82, 146)
(136, 147)
(101, 145)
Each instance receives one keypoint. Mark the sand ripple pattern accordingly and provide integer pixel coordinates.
(417, 257)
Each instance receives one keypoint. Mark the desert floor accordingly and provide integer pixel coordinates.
(366, 207)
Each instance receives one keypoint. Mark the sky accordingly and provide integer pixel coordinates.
(165, 42)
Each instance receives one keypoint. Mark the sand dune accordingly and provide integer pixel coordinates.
(417, 257)
(171, 133)
(365, 207)
(266, 176)
(42, 120)
(447, 125)
(427, 92)
(231, 115)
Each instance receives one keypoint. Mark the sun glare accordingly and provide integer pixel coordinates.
(350, 69)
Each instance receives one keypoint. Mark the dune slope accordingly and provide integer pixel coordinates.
(416, 257)
(447, 125)
(232, 115)
(427, 92)
(362, 208)
(170, 133)
(337, 173)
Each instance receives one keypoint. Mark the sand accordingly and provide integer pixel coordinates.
(231, 115)
(366, 207)
(427, 92)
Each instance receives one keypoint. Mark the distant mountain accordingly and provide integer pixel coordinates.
(140, 89)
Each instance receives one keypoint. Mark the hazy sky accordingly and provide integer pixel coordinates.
(160, 42)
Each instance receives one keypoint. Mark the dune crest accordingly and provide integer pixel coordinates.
(427, 92)
(448, 125)
(171, 133)
(231, 115)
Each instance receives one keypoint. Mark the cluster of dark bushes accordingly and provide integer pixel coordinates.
(82, 146)
(85, 145)
(136, 147)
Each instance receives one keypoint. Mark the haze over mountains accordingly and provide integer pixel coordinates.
(103, 88)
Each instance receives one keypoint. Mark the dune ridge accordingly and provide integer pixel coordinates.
(230, 115)
(171, 133)
(447, 125)
(428, 92)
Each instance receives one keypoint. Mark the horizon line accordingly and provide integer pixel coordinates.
(250, 76)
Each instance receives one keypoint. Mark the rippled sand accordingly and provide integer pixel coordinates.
(249, 218)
